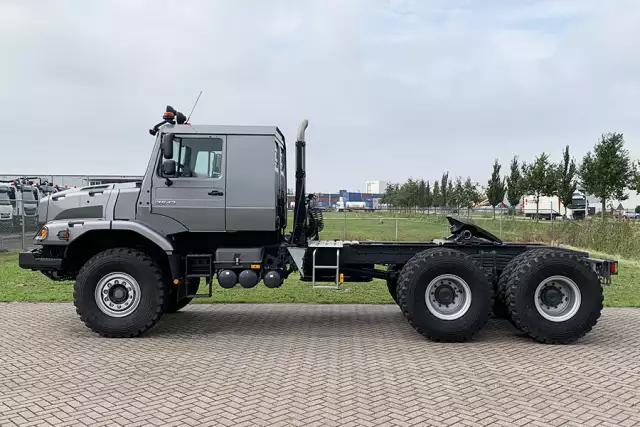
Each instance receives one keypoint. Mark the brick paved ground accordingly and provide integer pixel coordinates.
(325, 365)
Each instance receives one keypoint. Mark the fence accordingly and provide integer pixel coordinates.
(409, 224)
(615, 235)
(18, 224)
(612, 236)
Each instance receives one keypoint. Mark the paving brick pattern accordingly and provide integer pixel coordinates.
(311, 365)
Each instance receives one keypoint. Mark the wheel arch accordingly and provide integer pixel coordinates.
(93, 242)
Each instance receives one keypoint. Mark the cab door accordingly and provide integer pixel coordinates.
(196, 197)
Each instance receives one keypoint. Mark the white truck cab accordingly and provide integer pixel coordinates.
(7, 205)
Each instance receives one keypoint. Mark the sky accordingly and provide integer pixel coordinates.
(391, 89)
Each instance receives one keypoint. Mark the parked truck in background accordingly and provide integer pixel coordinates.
(7, 194)
(547, 207)
(579, 207)
(552, 206)
(24, 197)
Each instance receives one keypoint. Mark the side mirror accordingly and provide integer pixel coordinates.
(167, 146)
(169, 168)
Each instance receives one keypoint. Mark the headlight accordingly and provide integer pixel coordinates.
(43, 233)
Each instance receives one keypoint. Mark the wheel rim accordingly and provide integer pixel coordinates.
(448, 297)
(557, 298)
(117, 294)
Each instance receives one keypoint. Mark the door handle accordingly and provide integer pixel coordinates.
(215, 193)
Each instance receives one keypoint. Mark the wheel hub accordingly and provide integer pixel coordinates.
(557, 298)
(445, 294)
(551, 296)
(448, 297)
(117, 294)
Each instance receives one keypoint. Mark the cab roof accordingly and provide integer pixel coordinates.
(224, 129)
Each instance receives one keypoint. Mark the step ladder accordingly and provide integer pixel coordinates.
(315, 267)
(203, 270)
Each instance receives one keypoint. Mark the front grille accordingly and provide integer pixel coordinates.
(5, 216)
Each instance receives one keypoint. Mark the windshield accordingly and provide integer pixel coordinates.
(4, 198)
(28, 195)
(578, 203)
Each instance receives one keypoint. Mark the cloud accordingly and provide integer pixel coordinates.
(392, 88)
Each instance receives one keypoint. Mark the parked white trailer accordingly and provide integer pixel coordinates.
(547, 207)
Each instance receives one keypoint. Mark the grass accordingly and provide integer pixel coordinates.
(21, 285)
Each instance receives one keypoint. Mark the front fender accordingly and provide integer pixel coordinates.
(144, 230)
(77, 227)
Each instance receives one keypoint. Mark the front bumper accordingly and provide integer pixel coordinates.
(32, 259)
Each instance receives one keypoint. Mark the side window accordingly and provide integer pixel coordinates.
(200, 158)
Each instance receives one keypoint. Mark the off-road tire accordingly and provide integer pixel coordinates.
(172, 303)
(152, 286)
(412, 284)
(500, 308)
(521, 284)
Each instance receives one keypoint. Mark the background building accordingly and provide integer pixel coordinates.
(375, 187)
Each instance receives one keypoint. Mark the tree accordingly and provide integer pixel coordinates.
(496, 188)
(515, 183)
(437, 197)
(428, 197)
(456, 193)
(566, 179)
(608, 172)
(390, 196)
(444, 189)
(409, 194)
(471, 194)
(539, 179)
(450, 195)
(422, 187)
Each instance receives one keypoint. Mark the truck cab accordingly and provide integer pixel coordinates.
(7, 203)
(579, 207)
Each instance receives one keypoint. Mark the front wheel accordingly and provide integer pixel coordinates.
(445, 295)
(120, 292)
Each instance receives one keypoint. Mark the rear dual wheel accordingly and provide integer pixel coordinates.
(445, 295)
(551, 295)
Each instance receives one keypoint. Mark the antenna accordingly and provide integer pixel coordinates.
(194, 106)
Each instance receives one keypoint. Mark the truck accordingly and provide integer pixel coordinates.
(548, 207)
(579, 207)
(211, 207)
(23, 201)
(349, 206)
(7, 198)
(552, 206)
(26, 202)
